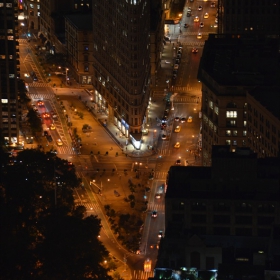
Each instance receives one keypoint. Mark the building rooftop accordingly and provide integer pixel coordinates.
(268, 97)
(241, 60)
(81, 21)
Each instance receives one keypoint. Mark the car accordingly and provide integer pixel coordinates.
(186, 25)
(163, 126)
(40, 103)
(177, 145)
(179, 55)
(46, 115)
(189, 14)
(178, 162)
(199, 36)
(46, 133)
(196, 19)
(163, 137)
(177, 128)
(183, 120)
(35, 78)
(59, 142)
(49, 138)
(54, 116)
(164, 119)
(189, 9)
(194, 50)
(175, 72)
(199, 8)
(216, 20)
(213, 5)
(176, 119)
(166, 113)
(177, 61)
(179, 51)
(180, 48)
(160, 234)
(201, 24)
(206, 15)
(157, 196)
(154, 214)
(176, 66)
(189, 119)
(52, 127)
(174, 77)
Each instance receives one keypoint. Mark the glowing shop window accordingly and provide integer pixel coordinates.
(231, 114)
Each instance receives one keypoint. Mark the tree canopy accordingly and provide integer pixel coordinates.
(42, 234)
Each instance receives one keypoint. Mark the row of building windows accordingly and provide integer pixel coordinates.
(225, 207)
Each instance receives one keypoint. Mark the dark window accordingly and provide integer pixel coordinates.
(221, 219)
(198, 206)
(243, 220)
(264, 220)
(221, 231)
(178, 217)
(243, 231)
(198, 219)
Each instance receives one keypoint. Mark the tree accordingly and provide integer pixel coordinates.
(42, 234)
(35, 122)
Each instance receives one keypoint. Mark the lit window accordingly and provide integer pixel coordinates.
(231, 114)
(216, 110)
(245, 123)
(31, 6)
(4, 100)
(234, 133)
(228, 132)
(234, 142)
(243, 143)
(244, 132)
(227, 142)
(211, 104)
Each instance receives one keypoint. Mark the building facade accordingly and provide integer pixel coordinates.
(121, 52)
(9, 71)
(79, 46)
(248, 17)
(31, 10)
(226, 213)
(233, 70)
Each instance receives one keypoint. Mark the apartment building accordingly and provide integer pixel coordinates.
(224, 215)
(239, 76)
(248, 17)
(9, 71)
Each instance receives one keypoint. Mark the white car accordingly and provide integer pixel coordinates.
(163, 137)
(201, 24)
(199, 8)
(216, 20)
(213, 5)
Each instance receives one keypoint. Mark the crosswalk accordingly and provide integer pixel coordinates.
(160, 175)
(156, 207)
(89, 206)
(194, 44)
(140, 274)
(37, 84)
(186, 99)
(22, 41)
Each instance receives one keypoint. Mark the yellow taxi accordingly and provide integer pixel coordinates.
(52, 127)
(177, 128)
(59, 142)
(177, 145)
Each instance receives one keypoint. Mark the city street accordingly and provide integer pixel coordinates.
(105, 160)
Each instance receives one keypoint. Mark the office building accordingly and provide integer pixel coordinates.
(240, 100)
(31, 18)
(121, 30)
(225, 215)
(249, 17)
(9, 71)
(79, 46)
